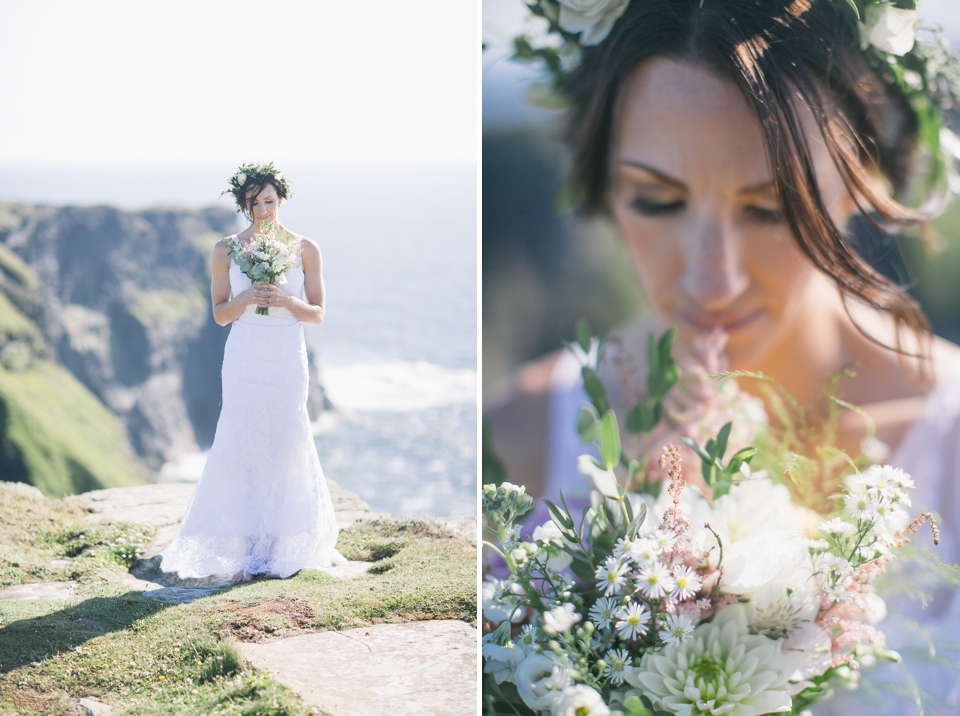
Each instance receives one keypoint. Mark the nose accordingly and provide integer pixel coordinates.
(714, 275)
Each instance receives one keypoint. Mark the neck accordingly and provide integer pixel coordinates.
(828, 340)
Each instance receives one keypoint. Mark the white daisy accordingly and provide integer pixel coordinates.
(602, 640)
(617, 662)
(644, 551)
(663, 540)
(834, 563)
(676, 628)
(633, 620)
(655, 580)
(611, 575)
(836, 526)
(861, 506)
(603, 612)
(622, 547)
(686, 582)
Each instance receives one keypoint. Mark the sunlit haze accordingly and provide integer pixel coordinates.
(108, 81)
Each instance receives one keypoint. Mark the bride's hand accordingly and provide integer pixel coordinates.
(270, 296)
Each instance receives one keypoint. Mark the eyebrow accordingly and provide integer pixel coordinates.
(667, 179)
(655, 172)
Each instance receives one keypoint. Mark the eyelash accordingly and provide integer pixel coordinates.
(647, 208)
(767, 216)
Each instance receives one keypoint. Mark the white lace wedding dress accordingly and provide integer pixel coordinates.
(262, 503)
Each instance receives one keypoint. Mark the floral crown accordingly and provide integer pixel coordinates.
(246, 174)
(926, 70)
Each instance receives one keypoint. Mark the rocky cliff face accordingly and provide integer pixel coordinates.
(122, 300)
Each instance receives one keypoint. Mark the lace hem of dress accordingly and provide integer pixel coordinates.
(203, 556)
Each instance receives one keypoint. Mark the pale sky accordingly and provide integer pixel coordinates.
(208, 81)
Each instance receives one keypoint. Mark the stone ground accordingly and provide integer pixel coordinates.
(355, 672)
(439, 658)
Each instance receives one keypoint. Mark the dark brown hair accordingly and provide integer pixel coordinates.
(779, 53)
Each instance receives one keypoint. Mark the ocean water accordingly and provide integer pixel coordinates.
(398, 348)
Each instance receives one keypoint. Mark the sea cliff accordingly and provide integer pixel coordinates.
(109, 355)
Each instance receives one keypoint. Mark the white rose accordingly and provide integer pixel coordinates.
(889, 29)
(560, 619)
(540, 681)
(580, 701)
(557, 559)
(593, 18)
(241, 179)
(499, 661)
(604, 480)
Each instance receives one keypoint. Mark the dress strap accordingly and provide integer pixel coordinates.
(299, 251)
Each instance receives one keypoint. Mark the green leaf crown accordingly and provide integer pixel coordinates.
(246, 174)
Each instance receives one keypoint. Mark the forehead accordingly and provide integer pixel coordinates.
(689, 123)
(268, 190)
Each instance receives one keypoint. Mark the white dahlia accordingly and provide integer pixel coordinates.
(720, 669)
(579, 700)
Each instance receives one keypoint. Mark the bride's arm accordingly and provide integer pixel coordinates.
(312, 309)
(225, 309)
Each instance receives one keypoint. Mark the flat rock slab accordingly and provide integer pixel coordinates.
(40, 590)
(143, 504)
(89, 706)
(22, 488)
(183, 595)
(350, 570)
(416, 668)
(465, 527)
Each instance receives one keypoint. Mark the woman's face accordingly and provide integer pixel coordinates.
(265, 205)
(694, 198)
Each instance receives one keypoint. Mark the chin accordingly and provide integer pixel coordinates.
(749, 347)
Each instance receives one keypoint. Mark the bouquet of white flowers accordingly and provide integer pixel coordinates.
(725, 597)
(268, 256)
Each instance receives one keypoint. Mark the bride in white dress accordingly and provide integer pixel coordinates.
(262, 504)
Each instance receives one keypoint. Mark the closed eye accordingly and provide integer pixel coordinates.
(652, 208)
(767, 216)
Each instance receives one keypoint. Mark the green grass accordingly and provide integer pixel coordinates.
(36, 532)
(67, 439)
(18, 269)
(13, 324)
(146, 657)
(155, 308)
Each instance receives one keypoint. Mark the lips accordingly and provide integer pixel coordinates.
(729, 323)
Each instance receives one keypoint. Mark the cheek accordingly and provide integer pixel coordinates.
(654, 248)
(778, 268)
